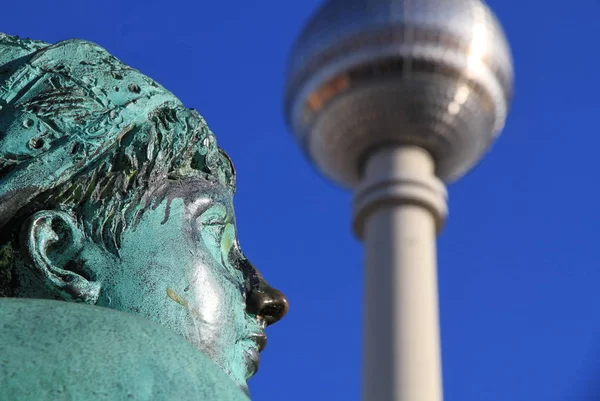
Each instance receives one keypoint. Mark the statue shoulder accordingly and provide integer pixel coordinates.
(54, 350)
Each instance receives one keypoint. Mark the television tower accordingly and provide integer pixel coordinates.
(391, 99)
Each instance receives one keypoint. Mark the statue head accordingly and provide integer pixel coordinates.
(112, 193)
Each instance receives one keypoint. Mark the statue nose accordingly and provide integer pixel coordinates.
(267, 303)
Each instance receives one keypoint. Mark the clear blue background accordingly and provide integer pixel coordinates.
(518, 260)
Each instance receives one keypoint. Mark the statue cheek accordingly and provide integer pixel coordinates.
(206, 298)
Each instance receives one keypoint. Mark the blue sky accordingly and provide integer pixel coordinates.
(518, 259)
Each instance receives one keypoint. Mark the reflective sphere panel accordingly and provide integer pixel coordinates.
(371, 73)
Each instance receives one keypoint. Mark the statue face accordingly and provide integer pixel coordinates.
(181, 266)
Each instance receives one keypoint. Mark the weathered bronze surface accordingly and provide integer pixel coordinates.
(115, 195)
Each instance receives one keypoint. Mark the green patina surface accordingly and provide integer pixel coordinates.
(132, 358)
(115, 195)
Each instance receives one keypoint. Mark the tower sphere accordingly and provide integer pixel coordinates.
(366, 74)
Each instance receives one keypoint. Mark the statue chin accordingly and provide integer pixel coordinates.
(54, 350)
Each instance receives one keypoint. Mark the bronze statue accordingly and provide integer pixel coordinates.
(114, 195)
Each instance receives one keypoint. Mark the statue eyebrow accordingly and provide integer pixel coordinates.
(199, 207)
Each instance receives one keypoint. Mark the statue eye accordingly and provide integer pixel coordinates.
(219, 237)
(212, 232)
(227, 241)
(215, 228)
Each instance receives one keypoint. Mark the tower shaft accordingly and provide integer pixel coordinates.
(398, 209)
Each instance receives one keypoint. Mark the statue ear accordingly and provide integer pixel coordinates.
(52, 240)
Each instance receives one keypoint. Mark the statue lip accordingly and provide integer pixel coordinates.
(253, 361)
(259, 342)
(260, 339)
